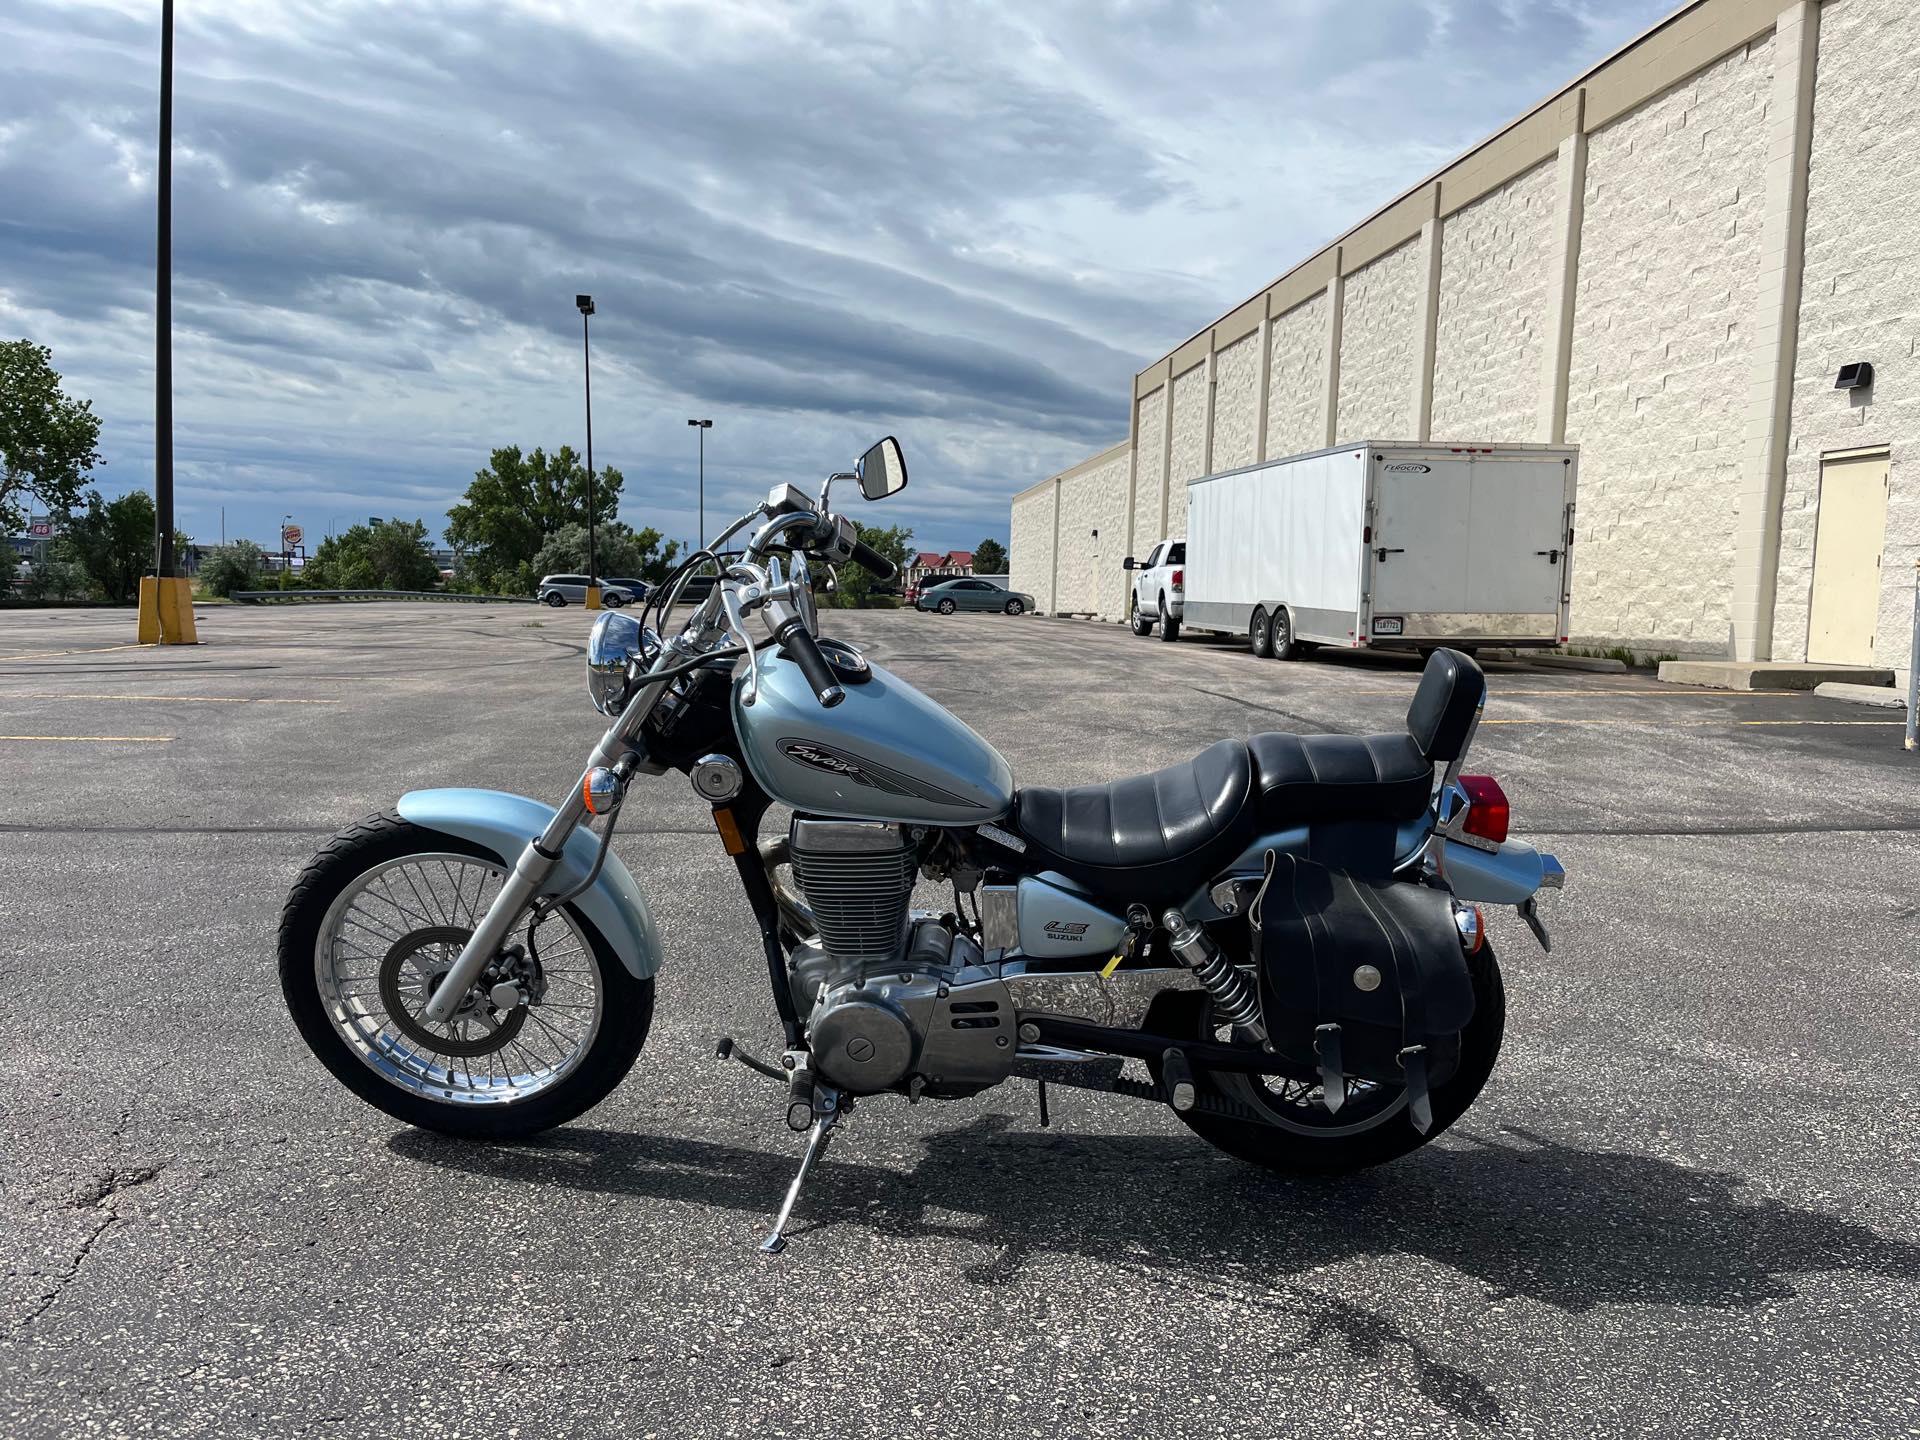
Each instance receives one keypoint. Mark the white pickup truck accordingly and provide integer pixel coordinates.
(1159, 593)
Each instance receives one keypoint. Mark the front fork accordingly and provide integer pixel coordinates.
(536, 862)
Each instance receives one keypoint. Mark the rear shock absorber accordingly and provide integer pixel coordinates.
(1234, 996)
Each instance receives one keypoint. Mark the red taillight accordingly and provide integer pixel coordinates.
(1488, 814)
(1179, 579)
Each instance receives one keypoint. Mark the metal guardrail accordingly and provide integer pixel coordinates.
(255, 597)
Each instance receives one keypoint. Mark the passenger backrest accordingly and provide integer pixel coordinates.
(1441, 716)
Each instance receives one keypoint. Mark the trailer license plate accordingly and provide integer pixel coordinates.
(1386, 625)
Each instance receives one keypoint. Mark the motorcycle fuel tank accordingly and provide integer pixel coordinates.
(886, 752)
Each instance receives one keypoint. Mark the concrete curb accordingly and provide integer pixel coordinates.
(1769, 674)
(1882, 695)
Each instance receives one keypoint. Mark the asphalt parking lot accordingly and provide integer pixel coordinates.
(1684, 1205)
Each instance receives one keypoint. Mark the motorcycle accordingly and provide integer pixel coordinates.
(1282, 940)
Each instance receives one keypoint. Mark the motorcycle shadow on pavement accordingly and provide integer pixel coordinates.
(1526, 1215)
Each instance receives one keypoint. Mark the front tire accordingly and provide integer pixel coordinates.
(1014, 607)
(486, 1074)
(1335, 1150)
(1138, 623)
(1260, 634)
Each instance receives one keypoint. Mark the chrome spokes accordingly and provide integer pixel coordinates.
(390, 938)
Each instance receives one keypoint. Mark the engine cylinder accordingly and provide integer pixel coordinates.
(857, 876)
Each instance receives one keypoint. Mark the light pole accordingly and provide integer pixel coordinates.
(585, 305)
(703, 426)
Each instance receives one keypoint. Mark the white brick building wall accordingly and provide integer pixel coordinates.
(1236, 403)
(1492, 328)
(1669, 259)
(1379, 348)
(1189, 454)
(1091, 579)
(1149, 435)
(1857, 303)
(1030, 544)
(1295, 413)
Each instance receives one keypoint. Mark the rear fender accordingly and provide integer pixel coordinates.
(503, 824)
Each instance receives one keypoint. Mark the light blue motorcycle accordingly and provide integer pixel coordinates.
(1280, 940)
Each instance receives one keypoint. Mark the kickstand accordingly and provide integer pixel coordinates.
(817, 1138)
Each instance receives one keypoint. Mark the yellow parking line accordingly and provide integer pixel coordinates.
(183, 699)
(130, 739)
(1671, 724)
(54, 654)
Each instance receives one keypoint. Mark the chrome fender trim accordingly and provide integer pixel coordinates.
(1505, 876)
(504, 824)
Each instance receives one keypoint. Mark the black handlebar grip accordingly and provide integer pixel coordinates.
(797, 641)
(869, 558)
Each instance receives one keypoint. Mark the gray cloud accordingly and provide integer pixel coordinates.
(966, 225)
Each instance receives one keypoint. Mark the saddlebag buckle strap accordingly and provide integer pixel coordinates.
(1413, 1061)
(1333, 1080)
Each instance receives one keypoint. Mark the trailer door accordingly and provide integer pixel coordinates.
(1470, 545)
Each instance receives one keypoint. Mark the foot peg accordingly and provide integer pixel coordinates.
(1177, 1076)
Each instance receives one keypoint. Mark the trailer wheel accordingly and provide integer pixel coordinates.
(1169, 627)
(1260, 633)
(1282, 643)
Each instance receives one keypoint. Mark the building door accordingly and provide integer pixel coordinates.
(1846, 560)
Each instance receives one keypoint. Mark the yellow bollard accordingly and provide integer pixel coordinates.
(593, 597)
(176, 612)
(149, 610)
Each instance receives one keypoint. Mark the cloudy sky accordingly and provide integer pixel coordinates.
(965, 224)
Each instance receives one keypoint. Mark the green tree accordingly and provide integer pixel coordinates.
(49, 442)
(232, 567)
(515, 504)
(620, 551)
(55, 579)
(380, 555)
(112, 541)
(857, 582)
(989, 558)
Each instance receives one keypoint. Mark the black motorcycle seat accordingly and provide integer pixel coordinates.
(1309, 778)
(1159, 834)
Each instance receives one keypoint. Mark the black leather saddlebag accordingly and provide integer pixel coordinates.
(1363, 979)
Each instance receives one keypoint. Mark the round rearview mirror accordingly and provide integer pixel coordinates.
(616, 645)
(882, 470)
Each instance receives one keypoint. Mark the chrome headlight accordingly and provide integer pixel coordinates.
(618, 648)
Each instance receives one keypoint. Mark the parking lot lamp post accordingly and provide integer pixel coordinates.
(585, 304)
(703, 426)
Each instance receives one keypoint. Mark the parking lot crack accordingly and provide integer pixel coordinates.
(96, 1196)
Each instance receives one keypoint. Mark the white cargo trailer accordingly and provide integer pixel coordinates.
(1386, 544)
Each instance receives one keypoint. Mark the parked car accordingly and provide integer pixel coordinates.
(1159, 589)
(635, 590)
(972, 594)
(558, 590)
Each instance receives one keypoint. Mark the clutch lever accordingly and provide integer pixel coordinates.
(737, 627)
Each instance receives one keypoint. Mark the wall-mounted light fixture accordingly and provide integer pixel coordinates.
(1857, 376)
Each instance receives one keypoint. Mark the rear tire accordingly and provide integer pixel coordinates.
(1283, 647)
(1293, 1153)
(1169, 627)
(1138, 623)
(1260, 634)
(626, 1003)
(945, 607)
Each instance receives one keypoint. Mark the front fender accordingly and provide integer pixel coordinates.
(504, 823)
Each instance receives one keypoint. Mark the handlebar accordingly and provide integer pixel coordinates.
(798, 642)
(871, 559)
